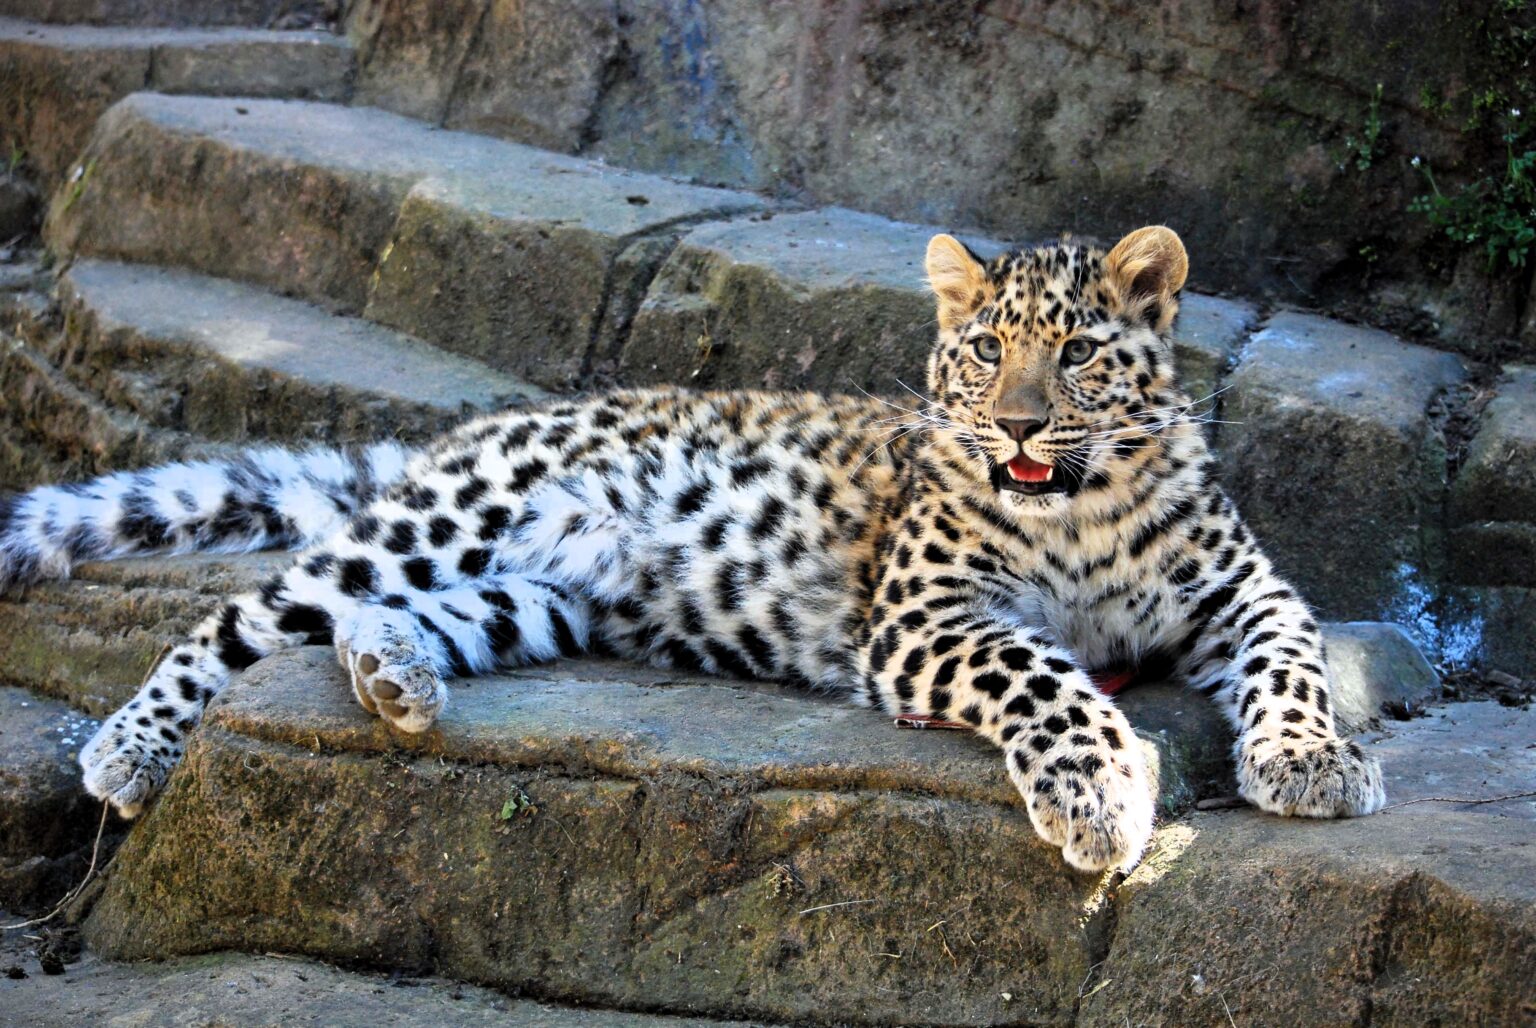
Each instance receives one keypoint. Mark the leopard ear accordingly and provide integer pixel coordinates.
(1148, 268)
(958, 278)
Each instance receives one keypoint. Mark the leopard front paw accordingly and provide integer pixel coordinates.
(1315, 778)
(126, 764)
(1094, 801)
(391, 673)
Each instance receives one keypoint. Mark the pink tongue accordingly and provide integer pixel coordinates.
(1025, 470)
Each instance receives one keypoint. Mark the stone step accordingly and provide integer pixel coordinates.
(685, 829)
(593, 833)
(916, 117)
(261, 14)
(53, 429)
(1420, 914)
(230, 362)
(280, 992)
(90, 641)
(60, 78)
(498, 251)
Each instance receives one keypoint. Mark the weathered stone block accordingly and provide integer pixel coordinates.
(907, 110)
(1331, 457)
(536, 70)
(1212, 923)
(268, 14)
(1493, 500)
(518, 266)
(829, 299)
(298, 197)
(287, 65)
(57, 86)
(55, 431)
(90, 642)
(1410, 917)
(1371, 664)
(671, 103)
(743, 850)
(225, 361)
(501, 252)
(409, 53)
(60, 79)
(690, 883)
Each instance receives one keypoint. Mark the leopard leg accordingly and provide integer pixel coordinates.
(398, 651)
(945, 651)
(129, 758)
(1262, 662)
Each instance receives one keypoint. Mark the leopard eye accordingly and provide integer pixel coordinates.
(989, 348)
(1078, 351)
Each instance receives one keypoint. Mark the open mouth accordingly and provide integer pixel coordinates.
(1030, 477)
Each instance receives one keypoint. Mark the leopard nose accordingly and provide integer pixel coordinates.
(1020, 429)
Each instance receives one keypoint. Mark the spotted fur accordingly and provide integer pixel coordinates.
(887, 555)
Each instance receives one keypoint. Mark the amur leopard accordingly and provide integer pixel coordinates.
(1048, 508)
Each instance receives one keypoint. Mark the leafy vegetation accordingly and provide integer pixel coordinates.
(519, 804)
(1497, 210)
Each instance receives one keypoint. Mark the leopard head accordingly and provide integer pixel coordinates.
(1052, 365)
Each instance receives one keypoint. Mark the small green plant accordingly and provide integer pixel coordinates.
(1496, 212)
(518, 804)
(1367, 147)
(1432, 101)
(14, 160)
